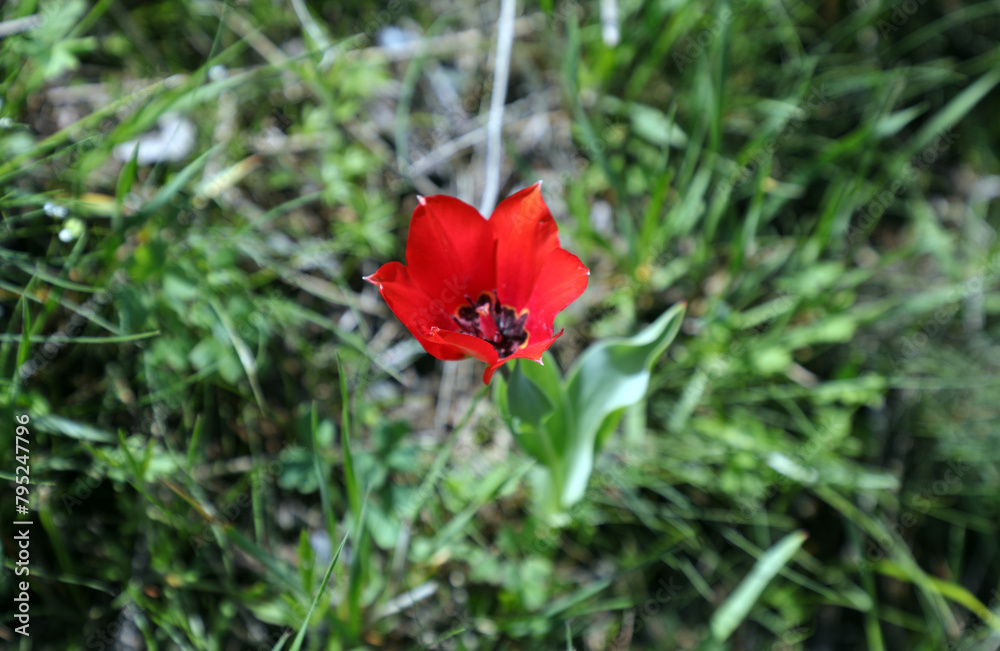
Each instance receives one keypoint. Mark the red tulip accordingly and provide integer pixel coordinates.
(485, 288)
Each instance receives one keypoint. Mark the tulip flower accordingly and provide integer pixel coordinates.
(483, 288)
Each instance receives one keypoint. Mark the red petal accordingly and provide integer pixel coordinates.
(450, 251)
(560, 282)
(469, 345)
(412, 306)
(526, 234)
(531, 351)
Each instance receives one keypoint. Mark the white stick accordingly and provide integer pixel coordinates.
(18, 25)
(501, 68)
(610, 33)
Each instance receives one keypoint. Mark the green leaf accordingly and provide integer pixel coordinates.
(835, 328)
(609, 425)
(655, 126)
(527, 403)
(610, 375)
(891, 124)
(736, 607)
(58, 20)
(58, 425)
(532, 398)
(545, 376)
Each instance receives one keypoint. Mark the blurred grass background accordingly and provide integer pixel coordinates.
(218, 401)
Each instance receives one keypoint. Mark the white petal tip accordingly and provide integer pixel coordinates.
(422, 199)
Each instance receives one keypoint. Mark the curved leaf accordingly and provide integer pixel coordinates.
(610, 375)
(533, 404)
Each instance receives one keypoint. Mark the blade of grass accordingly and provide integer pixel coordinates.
(301, 636)
(66, 303)
(952, 591)
(954, 111)
(196, 433)
(359, 569)
(114, 339)
(176, 184)
(737, 606)
(350, 478)
(321, 476)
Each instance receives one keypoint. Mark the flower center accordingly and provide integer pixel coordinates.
(489, 320)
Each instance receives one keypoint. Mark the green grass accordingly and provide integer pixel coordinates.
(217, 401)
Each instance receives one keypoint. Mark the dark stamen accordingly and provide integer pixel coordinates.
(510, 333)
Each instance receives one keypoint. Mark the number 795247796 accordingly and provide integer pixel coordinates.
(22, 470)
